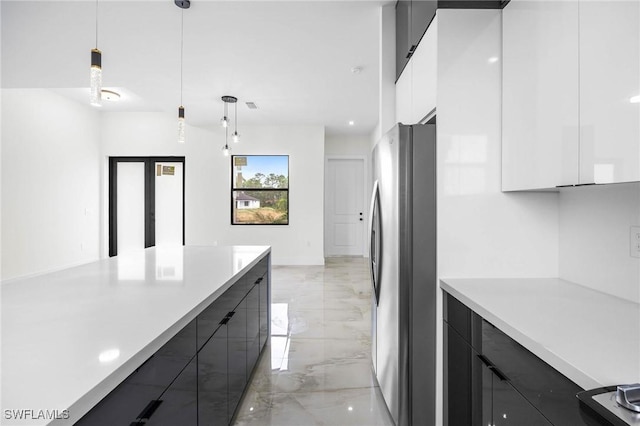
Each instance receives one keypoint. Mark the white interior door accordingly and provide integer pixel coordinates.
(130, 202)
(168, 210)
(344, 207)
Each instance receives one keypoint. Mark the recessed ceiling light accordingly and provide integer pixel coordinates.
(635, 99)
(110, 95)
(109, 355)
(351, 123)
(493, 59)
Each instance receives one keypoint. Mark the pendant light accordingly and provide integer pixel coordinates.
(225, 123)
(235, 136)
(181, 123)
(225, 149)
(95, 96)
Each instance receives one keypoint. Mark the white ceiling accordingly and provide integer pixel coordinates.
(292, 58)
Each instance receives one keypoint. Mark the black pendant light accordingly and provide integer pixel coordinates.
(225, 122)
(95, 96)
(182, 4)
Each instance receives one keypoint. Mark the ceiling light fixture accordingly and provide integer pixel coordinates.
(110, 95)
(95, 96)
(225, 123)
(351, 123)
(182, 4)
(635, 99)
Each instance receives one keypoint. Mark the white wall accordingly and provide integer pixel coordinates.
(50, 182)
(387, 73)
(595, 224)
(482, 232)
(347, 145)
(208, 174)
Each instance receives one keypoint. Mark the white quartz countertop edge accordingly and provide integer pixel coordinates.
(587, 348)
(80, 401)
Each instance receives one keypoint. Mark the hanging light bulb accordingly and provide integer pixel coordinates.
(226, 150)
(235, 136)
(224, 122)
(181, 125)
(96, 78)
(95, 96)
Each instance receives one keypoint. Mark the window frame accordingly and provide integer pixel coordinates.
(233, 189)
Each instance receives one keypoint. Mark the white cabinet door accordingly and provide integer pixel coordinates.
(403, 96)
(425, 66)
(416, 87)
(609, 81)
(540, 94)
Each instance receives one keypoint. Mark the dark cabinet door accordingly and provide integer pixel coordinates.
(237, 353)
(422, 13)
(511, 409)
(412, 20)
(263, 285)
(468, 384)
(253, 327)
(178, 405)
(545, 388)
(403, 22)
(213, 398)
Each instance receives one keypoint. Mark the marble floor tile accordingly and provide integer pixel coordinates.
(317, 367)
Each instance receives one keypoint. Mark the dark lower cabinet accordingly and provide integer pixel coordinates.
(263, 289)
(490, 379)
(178, 405)
(479, 394)
(213, 383)
(199, 376)
(253, 326)
(237, 355)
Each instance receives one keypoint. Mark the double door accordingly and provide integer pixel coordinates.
(146, 202)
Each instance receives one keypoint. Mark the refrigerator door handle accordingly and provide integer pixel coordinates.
(375, 241)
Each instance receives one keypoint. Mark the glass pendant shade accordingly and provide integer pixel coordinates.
(181, 125)
(226, 150)
(224, 122)
(96, 77)
(235, 137)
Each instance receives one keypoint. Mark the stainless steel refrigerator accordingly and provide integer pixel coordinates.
(403, 272)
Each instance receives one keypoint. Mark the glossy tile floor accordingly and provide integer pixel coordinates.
(317, 369)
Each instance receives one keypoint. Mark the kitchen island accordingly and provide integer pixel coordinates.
(71, 337)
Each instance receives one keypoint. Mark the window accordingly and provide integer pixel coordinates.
(260, 190)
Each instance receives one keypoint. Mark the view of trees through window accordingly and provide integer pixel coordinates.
(260, 190)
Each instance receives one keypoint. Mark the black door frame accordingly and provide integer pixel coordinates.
(149, 198)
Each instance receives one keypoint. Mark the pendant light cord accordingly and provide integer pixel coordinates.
(235, 116)
(181, 50)
(96, 24)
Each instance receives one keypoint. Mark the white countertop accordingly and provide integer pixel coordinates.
(71, 336)
(590, 337)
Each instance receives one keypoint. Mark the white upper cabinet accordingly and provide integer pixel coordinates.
(609, 91)
(540, 94)
(571, 81)
(416, 87)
